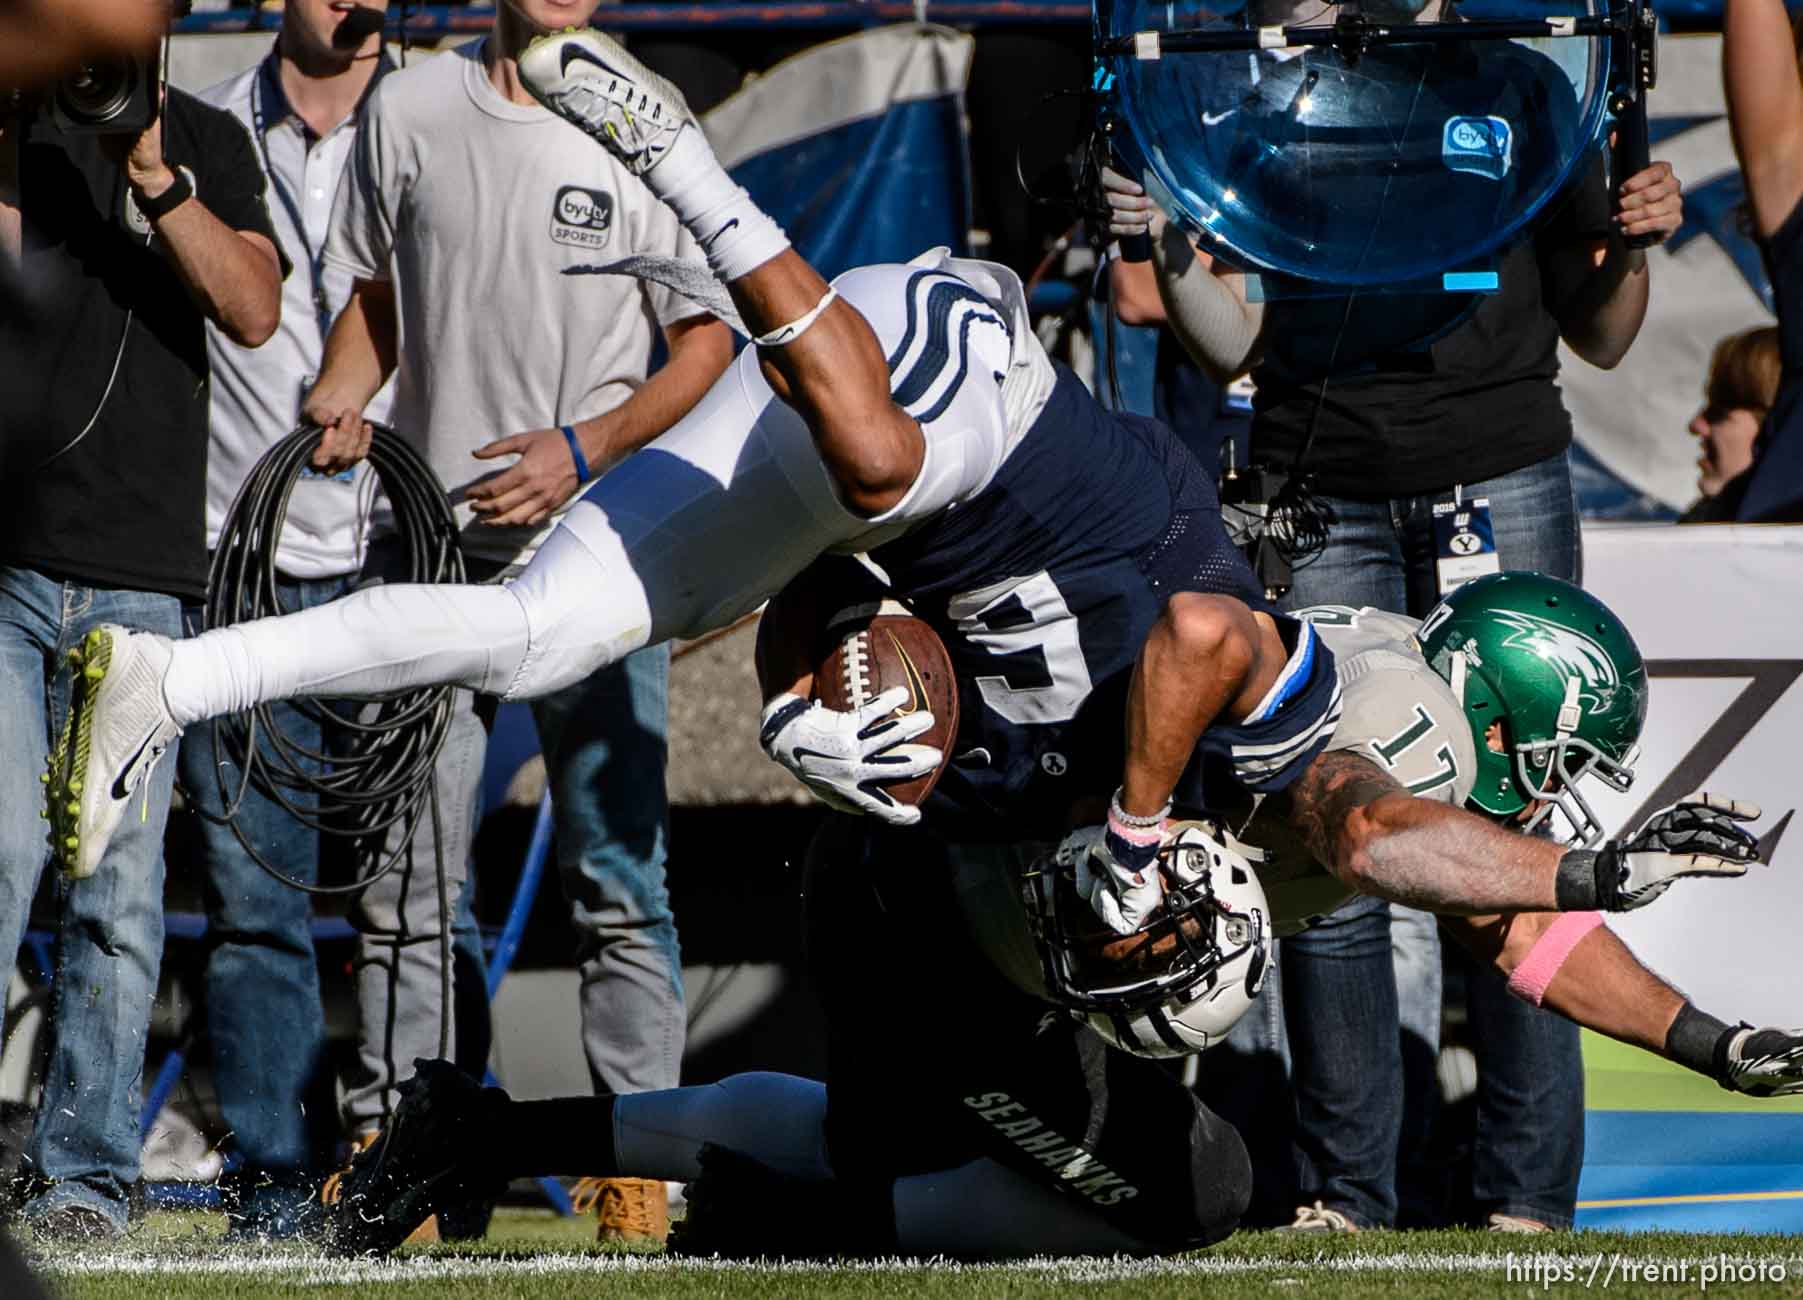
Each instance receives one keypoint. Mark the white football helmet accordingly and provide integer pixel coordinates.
(1179, 983)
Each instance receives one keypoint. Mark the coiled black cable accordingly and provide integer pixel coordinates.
(376, 773)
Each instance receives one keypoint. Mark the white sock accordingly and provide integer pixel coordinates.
(734, 233)
(391, 637)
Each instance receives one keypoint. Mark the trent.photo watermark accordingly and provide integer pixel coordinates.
(1613, 1268)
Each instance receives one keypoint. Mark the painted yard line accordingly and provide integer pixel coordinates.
(1699, 1198)
(320, 1270)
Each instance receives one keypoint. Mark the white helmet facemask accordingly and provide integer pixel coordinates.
(1179, 983)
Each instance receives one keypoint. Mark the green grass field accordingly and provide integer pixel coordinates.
(530, 1255)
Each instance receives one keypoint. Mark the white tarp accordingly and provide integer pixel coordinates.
(1718, 614)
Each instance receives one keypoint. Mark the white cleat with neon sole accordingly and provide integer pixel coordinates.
(590, 81)
(117, 729)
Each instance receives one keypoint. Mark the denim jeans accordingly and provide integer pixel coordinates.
(109, 926)
(261, 984)
(1341, 996)
(605, 741)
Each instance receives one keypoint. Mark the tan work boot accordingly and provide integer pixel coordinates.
(329, 1192)
(632, 1211)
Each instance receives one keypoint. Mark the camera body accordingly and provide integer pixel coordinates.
(105, 96)
(1246, 499)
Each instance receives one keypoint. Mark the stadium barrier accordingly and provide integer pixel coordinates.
(1718, 613)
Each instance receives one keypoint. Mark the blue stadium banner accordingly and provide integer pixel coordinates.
(857, 146)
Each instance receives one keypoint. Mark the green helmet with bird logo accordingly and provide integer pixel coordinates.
(1554, 689)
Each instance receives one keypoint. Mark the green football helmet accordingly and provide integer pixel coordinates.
(1560, 673)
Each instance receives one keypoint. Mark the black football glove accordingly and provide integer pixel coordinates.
(1761, 1062)
(1698, 836)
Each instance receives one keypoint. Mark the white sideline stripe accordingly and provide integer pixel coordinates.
(839, 82)
(314, 1269)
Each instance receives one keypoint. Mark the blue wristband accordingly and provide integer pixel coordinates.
(582, 470)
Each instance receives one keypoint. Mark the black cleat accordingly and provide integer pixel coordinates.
(419, 1164)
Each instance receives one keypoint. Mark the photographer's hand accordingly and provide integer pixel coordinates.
(233, 276)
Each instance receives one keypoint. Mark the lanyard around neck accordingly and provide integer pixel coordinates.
(315, 258)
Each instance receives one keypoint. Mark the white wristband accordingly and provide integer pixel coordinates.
(794, 329)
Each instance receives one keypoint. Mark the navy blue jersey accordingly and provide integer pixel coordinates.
(1045, 585)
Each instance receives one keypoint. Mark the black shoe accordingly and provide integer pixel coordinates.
(417, 1165)
(741, 1209)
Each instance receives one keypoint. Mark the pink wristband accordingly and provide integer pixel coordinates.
(1138, 836)
(1548, 954)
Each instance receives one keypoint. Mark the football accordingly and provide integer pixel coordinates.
(875, 653)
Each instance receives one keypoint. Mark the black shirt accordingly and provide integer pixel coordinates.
(1427, 390)
(1774, 486)
(122, 504)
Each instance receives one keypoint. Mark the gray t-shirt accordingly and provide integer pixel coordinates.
(475, 207)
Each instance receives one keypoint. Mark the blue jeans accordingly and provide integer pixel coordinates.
(263, 1013)
(605, 741)
(1340, 994)
(109, 926)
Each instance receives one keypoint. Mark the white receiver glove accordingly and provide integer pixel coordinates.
(1698, 836)
(845, 758)
(1764, 1062)
(1125, 899)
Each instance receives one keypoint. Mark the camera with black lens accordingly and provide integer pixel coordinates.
(106, 96)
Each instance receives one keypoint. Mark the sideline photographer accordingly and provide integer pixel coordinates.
(121, 239)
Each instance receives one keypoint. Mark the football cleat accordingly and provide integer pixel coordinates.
(117, 729)
(416, 1166)
(590, 81)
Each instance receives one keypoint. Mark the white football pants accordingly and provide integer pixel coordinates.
(704, 524)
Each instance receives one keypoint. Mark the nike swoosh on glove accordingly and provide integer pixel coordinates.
(1125, 897)
(1698, 836)
(846, 757)
(1762, 1062)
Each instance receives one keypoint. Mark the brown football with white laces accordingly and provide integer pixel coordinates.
(875, 653)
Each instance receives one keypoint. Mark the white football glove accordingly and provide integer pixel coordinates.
(1765, 1062)
(842, 756)
(1131, 210)
(1124, 899)
(1697, 836)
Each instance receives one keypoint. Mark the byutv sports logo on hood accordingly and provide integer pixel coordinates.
(582, 217)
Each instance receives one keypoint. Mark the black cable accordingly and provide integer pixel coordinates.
(1298, 523)
(377, 773)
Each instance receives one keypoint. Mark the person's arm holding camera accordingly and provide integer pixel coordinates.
(1764, 88)
(235, 276)
(1597, 289)
(1206, 306)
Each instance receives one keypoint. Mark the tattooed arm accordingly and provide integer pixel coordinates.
(1375, 837)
